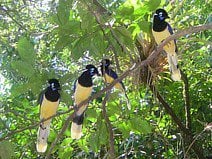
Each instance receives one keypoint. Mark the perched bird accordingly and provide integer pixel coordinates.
(49, 101)
(82, 90)
(109, 76)
(161, 30)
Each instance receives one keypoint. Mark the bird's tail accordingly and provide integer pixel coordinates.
(173, 66)
(43, 133)
(76, 126)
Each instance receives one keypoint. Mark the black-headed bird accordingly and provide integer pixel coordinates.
(49, 101)
(161, 30)
(82, 91)
(109, 76)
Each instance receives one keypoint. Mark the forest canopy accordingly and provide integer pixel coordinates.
(40, 40)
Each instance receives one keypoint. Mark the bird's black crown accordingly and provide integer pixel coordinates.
(162, 14)
(92, 70)
(106, 62)
(54, 84)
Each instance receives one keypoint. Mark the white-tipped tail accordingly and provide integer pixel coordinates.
(176, 76)
(76, 131)
(173, 66)
(43, 133)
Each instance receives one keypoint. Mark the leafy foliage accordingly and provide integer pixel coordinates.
(44, 39)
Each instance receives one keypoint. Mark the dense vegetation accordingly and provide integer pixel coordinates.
(40, 40)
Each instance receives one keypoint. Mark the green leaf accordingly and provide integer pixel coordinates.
(153, 4)
(6, 150)
(35, 84)
(66, 141)
(134, 29)
(52, 136)
(66, 77)
(126, 10)
(68, 33)
(99, 138)
(124, 128)
(18, 89)
(94, 142)
(124, 37)
(140, 126)
(63, 12)
(98, 44)
(80, 46)
(114, 109)
(63, 41)
(82, 143)
(103, 137)
(145, 26)
(87, 21)
(66, 97)
(65, 152)
(24, 68)
(70, 28)
(26, 50)
(91, 114)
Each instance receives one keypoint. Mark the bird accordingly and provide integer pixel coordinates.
(82, 90)
(109, 76)
(49, 102)
(161, 30)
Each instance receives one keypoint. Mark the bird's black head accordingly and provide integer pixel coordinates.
(162, 14)
(54, 84)
(92, 70)
(106, 62)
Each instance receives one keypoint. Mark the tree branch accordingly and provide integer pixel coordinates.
(109, 126)
(186, 99)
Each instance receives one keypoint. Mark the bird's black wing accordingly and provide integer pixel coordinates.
(40, 97)
(114, 75)
(171, 32)
(111, 73)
